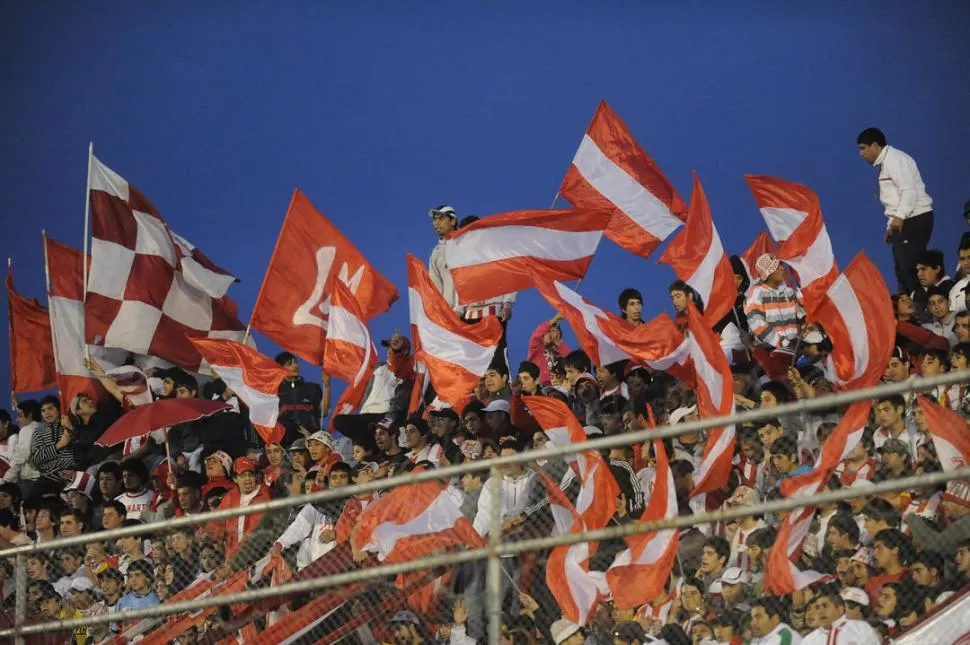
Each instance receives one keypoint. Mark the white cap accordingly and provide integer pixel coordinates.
(856, 595)
(562, 629)
(322, 437)
(734, 576)
(498, 405)
(82, 583)
(678, 415)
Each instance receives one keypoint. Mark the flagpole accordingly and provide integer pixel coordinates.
(50, 309)
(13, 395)
(276, 248)
(87, 228)
(554, 200)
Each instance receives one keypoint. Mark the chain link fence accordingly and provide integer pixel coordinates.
(595, 542)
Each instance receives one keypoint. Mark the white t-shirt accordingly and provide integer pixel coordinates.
(135, 504)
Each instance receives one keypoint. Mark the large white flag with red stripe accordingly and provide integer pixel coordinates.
(857, 314)
(607, 339)
(715, 398)
(950, 434)
(639, 573)
(611, 170)
(455, 355)
(509, 252)
(596, 501)
(65, 268)
(843, 440)
(794, 218)
(140, 297)
(254, 378)
(567, 571)
(412, 521)
(348, 352)
(782, 575)
(698, 259)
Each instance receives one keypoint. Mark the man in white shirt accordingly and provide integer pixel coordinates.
(445, 220)
(907, 206)
(28, 416)
(137, 495)
(835, 628)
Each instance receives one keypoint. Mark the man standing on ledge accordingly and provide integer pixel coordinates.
(908, 207)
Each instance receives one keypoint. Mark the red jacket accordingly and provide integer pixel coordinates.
(540, 355)
(227, 531)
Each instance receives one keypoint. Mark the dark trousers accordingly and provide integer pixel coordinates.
(502, 350)
(908, 245)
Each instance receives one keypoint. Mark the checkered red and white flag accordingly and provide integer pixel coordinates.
(147, 292)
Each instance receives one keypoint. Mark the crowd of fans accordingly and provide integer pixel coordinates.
(891, 558)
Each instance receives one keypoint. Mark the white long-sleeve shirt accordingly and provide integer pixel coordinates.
(305, 531)
(780, 635)
(20, 466)
(8, 447)
(441, 277)
(844, 632)
(515, 492)
(901, 189)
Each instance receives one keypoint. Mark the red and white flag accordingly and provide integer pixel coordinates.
(413, 521)
(949, 432)
(510, 252)
(139, 297)
(349, 352)
(200, 270)
(857, 314)
(65, 267)
(576, 590)
(596, 502)
(454, 354)
(794, 218)
(639, 572)
(761, 245)
(606, 338)
(611, 170)
(293, 305)
(843, 440)
(698, 259)
(31, 348)
(714, 386)
(782, 575)
(254, 378)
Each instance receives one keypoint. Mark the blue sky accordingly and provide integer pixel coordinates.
(379, 111)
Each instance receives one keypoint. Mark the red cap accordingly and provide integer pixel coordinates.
(242, 464)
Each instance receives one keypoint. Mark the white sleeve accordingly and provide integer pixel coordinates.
(483, 516)
(21, 452)
(299, 529)
(903, 173)
(460, 637)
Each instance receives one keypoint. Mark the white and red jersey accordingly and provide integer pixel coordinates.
(739, 554)
(135, 503)
(431, 452)
(848, 475)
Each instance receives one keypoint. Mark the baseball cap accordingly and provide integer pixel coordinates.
(900, 353)
(322, 437)
(243, 464)
(734, 576)
(863, 555)
(284, 357)
(82, 583)
(629, 631)
(813, 337)
(498, 405)
(448, 413)
(223, 458)
(562, 629)
(299, 444)
(365, 465)
(679, 414)
(856, 595)
(766, 265)
(444, 209)
(81, 482)
(405, 617)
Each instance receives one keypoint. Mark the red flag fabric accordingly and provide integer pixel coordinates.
(349, 353)
(611, 170)
(163, 413)
(510, 252)
(139, 298)
(639, 573)
(65, 267)
(567, 570)
(293, 305)
(761, 245)
(698, 259)
(714, 386)
(857, 314)
(596, 502)
(412, 521)
(454, 354)
(836, 448)
(606, 338)
(31, 347)
(782, 576)
(949, 432)
(794, 218)
(254, 378)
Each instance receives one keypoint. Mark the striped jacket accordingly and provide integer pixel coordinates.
(774, 315)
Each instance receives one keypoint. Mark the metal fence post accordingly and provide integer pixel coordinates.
(20, 596)
(494, 577)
